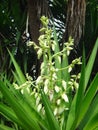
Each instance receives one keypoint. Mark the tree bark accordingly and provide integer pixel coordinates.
(75, 20)
(36, 8)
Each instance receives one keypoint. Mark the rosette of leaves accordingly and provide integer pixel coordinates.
(47, 103)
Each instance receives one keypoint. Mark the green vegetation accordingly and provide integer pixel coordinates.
(48, 102)
(49, 67)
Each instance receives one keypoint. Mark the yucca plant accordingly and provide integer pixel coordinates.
(48, 103)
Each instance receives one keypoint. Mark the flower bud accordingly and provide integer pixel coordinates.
(39, 107)
(65, 97)
(64, 84)
(57, 89)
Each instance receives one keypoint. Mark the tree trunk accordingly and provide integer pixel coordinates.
(75, 20)
(36, 8)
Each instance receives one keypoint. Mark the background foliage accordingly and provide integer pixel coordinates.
(13, 27)
(48, 102)
(14, 31)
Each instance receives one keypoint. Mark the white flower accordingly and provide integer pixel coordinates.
(51, 95)
(29, 78)
(37, 100)
(70, 83)
(66, 108)
(57, 89)
(30, 43)
(54, 76)
(36, 94)
(42, 65)
(65, 97)
(58, 102)
(41, 37)
(78, 76)
(28, 35)
(55, 111)
(39, 53)
(52, 69)
(39, 80)
(15, 86)
(60, 110)
(46, 89)
(53, 47)
(66, 43)
(76, 85)
(43, 71)
(64, 84)
(73, 76)
(69, 69)
(77, 61)
(39, 107)
(72, 80)
(47, 82)
(68, 52)
(69, 48)
(43, 110)
(56, 69)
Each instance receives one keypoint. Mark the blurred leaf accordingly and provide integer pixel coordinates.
(77, 101)
(92, 124)
(18, 70)
(52, 122)
(93, 109)
(88, 98)
(90, 63)
(9, 113)
(3, 127)
(21, 109)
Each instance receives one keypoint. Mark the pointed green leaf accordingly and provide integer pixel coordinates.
(88, 98)
(21, 109)
(16, 78)
(92, 124)
(18, 70)
(90, 63)
(80, 92)
(52, 122)
(71, 115)
(9, 113)
(93, 109)
(74, 110)
(4, 127)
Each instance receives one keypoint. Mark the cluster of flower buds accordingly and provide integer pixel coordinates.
(54, 87)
